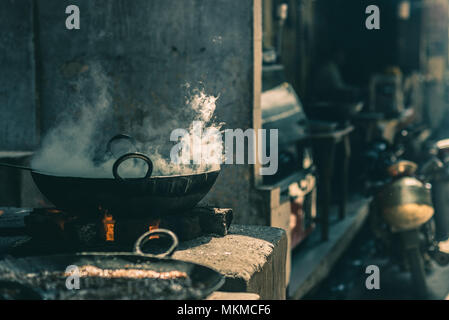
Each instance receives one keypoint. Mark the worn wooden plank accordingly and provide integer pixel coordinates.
(214, 220)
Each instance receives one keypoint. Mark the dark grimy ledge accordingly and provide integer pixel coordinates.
(77, 233)
(252, 258)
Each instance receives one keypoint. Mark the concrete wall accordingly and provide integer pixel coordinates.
(147, 50)
(150, 50)
(236, 186)
(18, 125)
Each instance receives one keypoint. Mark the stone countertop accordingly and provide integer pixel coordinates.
(252, 258)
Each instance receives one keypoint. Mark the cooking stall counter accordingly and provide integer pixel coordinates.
(251, 258)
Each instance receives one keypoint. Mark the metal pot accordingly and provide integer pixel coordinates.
(406, 203)
(150, 196)
(43, 277)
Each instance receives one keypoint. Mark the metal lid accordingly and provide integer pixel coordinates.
(282, 110)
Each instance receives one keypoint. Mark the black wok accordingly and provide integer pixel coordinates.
(44, 277)
(134, 197)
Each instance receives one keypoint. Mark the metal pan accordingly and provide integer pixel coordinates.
(44, 277)
(150, 196)
(138, 197)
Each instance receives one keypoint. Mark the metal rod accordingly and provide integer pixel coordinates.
(9, 165)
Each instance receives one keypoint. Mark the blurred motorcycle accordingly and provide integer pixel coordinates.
(402, 216)
(436, 171)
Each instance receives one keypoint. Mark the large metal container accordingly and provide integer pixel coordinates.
(406, 204)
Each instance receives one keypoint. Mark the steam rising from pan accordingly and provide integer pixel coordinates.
(72, 147)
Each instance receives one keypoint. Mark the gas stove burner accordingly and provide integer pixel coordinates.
(53, 226)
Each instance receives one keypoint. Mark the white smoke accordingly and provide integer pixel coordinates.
(71, 147)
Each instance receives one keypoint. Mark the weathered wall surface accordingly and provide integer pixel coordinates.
(150, 50)
(17, 104)
(145, 52)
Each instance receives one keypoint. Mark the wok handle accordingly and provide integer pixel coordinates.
(127, 156)
(147, 237)
(9, 165)
(120, 136)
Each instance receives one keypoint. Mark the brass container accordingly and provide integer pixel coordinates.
(402, 168)
(406, 204)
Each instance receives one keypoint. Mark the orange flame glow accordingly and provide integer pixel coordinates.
(153, 226)
(53, 211)
(109, 224)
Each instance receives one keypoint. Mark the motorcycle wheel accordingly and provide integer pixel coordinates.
(417, 270)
